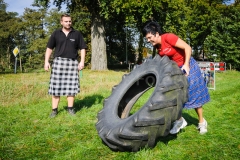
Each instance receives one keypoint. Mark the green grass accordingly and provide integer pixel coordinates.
(27, 132)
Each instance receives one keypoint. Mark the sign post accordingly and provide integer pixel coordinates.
(144, 52)
(15, 52)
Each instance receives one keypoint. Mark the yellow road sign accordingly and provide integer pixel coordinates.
(144, 52)
(15, 51)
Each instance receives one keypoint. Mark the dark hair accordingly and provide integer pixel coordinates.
(151, 27)
(65, 15)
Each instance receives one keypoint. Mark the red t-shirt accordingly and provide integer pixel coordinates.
(168, 42)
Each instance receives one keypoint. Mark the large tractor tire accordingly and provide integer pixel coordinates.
(121, 131)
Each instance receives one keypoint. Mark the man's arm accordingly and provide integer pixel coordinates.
(81, 64)
(47, 57)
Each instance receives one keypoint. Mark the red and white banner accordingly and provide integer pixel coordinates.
(217, 66)
(220, 66)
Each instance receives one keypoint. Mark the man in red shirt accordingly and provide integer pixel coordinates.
(169, 44)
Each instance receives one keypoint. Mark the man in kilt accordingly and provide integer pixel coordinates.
(64, 79)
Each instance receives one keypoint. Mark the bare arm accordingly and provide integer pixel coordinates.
(47, 57)
(188, 51)
(81, 64)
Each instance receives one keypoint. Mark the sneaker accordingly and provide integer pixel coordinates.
(202, 127)
(178, 124)
(53, 114)
(71, 111)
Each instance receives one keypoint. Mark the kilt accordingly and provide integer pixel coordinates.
(197, 90)
(64, 79)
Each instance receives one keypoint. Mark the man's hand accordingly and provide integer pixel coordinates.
(80, 66)
(46, 66)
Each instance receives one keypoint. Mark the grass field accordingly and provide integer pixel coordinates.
(27, 132)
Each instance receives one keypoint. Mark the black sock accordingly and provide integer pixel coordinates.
(55, 109)
(70, 108)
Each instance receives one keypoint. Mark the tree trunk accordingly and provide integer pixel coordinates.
(140, 50)
(98, 43)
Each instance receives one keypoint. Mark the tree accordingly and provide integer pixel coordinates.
(116, 29)
(127, 12)
(225, 37)
(34, 39)
(8, 34)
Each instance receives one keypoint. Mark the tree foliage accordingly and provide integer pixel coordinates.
(225, 37)
(112, 29)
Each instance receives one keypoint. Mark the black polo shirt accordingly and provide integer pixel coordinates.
(66, 46)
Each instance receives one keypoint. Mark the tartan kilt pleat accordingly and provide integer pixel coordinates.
(198, 93)
(64, 79)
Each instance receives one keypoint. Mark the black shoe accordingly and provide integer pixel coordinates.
(71, 111)
(53, 114)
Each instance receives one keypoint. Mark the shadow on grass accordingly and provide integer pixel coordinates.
(167, 138)
(87, 102)
(190, 120)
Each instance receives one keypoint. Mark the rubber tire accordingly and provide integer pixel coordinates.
(121, 132)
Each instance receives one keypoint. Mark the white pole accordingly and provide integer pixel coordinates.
(214, 86)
